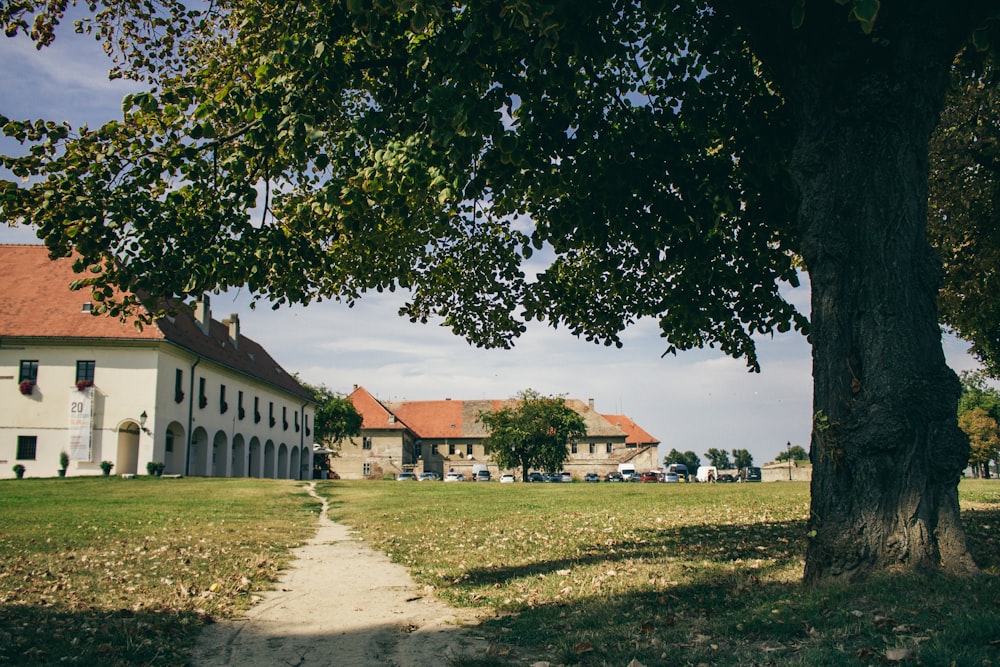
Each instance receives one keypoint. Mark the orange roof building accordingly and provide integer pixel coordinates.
(446, 435)
(187, 391)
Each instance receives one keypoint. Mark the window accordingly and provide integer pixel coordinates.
(240, 411)
(223, 406)
(202, 398)
(366, 469)
(451, 450)
(26, 446)
(85, 371)
(607, 448)
(366, 442)
(305, 422)
(169, 442)
(29, 371)
(270, 414)
(468, 450)
(593, 448)
(296, 422)
(573, 448)
(256, 409)
(178, 385)
(284, 418)
(631, 445)
(418, 450)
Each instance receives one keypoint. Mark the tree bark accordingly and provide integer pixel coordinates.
(887, 452)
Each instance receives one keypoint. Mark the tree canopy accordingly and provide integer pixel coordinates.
(688, 458)
(718, 458)
(742, 458)
(336, 417)
(586, 164)
(793, 453)
(532, 432)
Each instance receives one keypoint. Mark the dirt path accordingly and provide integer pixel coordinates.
(341, 603)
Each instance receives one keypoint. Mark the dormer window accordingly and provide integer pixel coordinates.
(87, 308)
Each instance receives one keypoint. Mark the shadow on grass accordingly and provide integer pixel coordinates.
(778, 542)
(53, 635)
(727, 612)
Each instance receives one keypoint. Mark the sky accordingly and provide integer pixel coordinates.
(693, 401)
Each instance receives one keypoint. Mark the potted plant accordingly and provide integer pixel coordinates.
(26, 387)
(155, 468)
(19, 470)
(106, 467)
(63, 463)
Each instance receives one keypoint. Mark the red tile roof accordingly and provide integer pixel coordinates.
(634, 434)
(460, 419)
(374, 415)
(38, 304)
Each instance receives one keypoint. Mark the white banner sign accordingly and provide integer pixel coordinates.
(81, 423)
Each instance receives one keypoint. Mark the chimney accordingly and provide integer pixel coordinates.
(591, 402)
(234, 329)
(203, 314)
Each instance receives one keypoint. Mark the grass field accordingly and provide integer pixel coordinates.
(114, 572)
(104, 571)
(671, 574)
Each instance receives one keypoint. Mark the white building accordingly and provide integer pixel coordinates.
(187, 391)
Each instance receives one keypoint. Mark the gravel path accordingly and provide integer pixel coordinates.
(341, 603)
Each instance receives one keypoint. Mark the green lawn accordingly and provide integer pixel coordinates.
(104, 571)
(114, 572)
(670, 574)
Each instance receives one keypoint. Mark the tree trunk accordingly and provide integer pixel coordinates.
(887, 452)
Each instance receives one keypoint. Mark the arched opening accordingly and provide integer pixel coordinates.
(198, 456)
(254, 458)
(127, 457)
(238, 465)
(220, 454)
(173, 449)
(294, 464)
(282, 472)
(268, 470)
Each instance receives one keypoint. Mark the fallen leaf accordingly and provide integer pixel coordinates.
(895, 655)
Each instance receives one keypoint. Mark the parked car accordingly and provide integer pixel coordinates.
(536, 477)
(671, 478)
(614, 477)
(753, 475)
(725, 478)
(406, 477)
(507, 478)
(454, 477)
(592, 477)
(428, 477)
(565, 477)
(651, 476)
(552, 477)
(482, 476)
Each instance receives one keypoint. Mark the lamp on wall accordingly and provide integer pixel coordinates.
(142, 423)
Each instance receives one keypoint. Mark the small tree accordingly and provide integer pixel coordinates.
(336, 418)
(688, 458)
(742, 458)
(984, 439)
(719, 458)
(532, 432)
(793, 453)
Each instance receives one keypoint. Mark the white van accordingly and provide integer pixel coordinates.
(627, 470)
(707, 474)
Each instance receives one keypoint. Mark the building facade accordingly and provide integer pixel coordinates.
(446, 436)
(187, 391)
